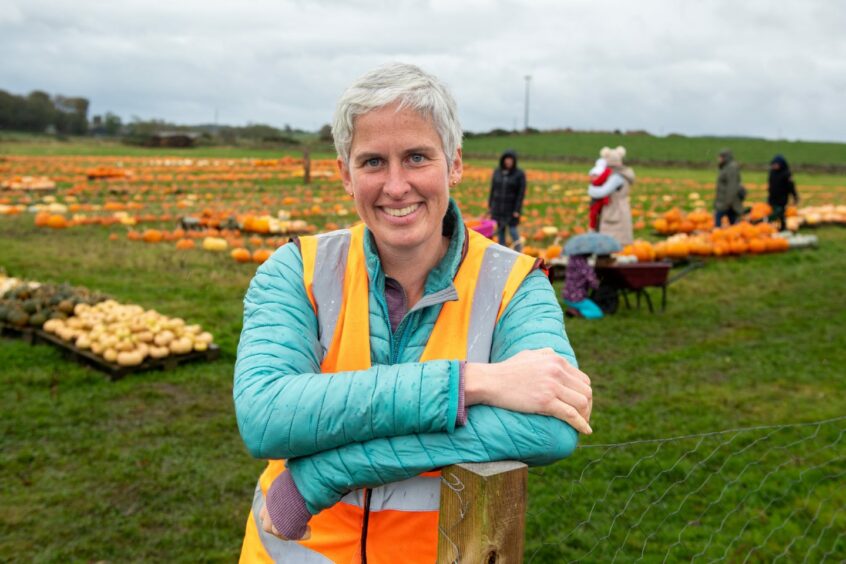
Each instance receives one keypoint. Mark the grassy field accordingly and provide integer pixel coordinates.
(151, 468)
(646, 149)
(580, 147)
(28, 144)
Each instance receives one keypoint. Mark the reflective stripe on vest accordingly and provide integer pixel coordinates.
(336, 282)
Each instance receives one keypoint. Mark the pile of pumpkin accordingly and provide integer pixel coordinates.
(7, 209)
(30, 304)
(212, 240)
(106, 172)
(821, 215)
(28, 183)
(676, 221)
(281, 225)
(127, 334)
(739, 239)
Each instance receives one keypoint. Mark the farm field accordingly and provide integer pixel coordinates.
(558, 147)
(151, 467)
(691, 151)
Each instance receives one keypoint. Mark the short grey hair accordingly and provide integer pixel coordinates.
(412, 88)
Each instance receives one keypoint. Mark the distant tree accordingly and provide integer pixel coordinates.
(11, 110)
(38, 112)
(71, 114)
(325, 134)
(112, 124)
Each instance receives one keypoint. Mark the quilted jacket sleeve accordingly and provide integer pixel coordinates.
(532, 320)
(285, 407)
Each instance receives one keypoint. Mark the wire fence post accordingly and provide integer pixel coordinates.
(483, 513)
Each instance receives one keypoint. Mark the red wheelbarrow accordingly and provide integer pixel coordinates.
(622, 279)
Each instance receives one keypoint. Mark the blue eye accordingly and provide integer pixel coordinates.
(375, 161)
(417, 158)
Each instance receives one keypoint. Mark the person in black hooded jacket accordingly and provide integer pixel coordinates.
(505, 202)
(780, 188)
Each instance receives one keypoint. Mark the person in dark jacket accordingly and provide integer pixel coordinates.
(780, 188)
(505, 203)
(728, 202)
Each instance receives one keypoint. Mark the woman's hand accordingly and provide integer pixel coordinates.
(532, 381)
(268, 527)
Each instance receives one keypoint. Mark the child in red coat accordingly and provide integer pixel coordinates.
(598, 175)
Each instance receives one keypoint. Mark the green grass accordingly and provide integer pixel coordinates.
(42, 145)
(151, 468)
(698, 151)
(578, 147)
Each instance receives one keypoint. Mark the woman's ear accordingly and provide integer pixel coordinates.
(456, 168)
(346, 178)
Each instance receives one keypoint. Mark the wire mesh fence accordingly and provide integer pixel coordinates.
(773, 493)
(769, 493)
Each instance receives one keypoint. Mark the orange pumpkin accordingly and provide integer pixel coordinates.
(261, 255)
(185, 244)
(240, 254)
(41, 219)
(57, 221)
(152, 236)
(552, 252)
(531, 251)
(757, 246)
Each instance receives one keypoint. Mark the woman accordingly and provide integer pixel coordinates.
(505, 201)
(616, 217)
(371, 357)
(779, 188)
(728, 201)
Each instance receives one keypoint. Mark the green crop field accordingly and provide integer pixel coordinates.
(696, 151)
(718, 423)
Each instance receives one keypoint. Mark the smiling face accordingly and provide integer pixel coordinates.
(399, 177)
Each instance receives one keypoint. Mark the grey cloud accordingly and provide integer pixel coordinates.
(719, 67)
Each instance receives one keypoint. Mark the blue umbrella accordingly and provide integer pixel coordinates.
(591, 244)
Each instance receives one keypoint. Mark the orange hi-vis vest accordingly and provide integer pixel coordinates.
(398, 522)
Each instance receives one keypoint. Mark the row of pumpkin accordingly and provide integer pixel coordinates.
(676, 221)
(739, 239)
(123, 334)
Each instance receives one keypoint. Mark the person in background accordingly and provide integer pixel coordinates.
(371, 357)
(505, 202)
(616, 217)
(599, 174)
(779, 188)
(579, 281)
(729, 200)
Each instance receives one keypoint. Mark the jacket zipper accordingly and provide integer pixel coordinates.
(396, 346)
(364, 524)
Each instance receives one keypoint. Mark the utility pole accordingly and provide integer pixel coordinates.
(526, 104)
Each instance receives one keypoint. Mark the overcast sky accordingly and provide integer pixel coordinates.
(765, 68)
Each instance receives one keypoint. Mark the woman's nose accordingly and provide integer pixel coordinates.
(396, 184)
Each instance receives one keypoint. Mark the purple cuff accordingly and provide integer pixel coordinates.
(287, 507)
(461, 416)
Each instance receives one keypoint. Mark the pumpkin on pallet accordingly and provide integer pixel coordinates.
(127, 334)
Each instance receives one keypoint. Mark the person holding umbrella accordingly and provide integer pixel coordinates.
(581, 278)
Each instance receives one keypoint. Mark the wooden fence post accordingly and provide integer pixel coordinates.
(483, 513)
(306, 166)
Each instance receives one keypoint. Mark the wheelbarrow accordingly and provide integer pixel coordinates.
(617, 280)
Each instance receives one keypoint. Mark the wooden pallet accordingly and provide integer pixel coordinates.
(115, 371)
(15, 332)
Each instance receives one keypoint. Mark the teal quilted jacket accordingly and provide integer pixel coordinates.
(397, 419)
